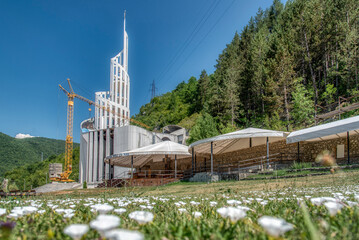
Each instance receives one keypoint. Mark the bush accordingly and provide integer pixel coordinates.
(84, 186)
(280, 172)
(12, 187)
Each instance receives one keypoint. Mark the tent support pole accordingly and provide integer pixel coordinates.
(267, 152)
(131, 167)
(109, 169)
(298, 156)
(175, 166)
(192, 161)
(348, 149)
(211, 158)
(195, 162)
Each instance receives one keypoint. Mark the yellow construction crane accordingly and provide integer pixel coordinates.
(64, 176)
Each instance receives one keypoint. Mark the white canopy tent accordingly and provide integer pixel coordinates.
(338, 129)
(237, 140)
(156, 152)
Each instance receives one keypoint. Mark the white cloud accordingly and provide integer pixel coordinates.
(21, 136)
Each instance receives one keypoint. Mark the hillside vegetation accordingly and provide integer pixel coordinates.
(34, 174)
(288, 61)
(19, 152)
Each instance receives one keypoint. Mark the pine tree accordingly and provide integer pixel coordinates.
(303, 107)
(205, 127)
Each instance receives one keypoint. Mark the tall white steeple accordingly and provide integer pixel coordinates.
(117, 99)
(125, 44)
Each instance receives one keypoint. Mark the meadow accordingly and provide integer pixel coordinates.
(318, 207)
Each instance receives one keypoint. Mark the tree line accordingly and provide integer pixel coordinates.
(288, 63)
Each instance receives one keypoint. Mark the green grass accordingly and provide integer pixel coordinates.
(301, 165)
(169, 223)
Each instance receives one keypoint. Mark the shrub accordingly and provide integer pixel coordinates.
(12, 187)
(84, 186)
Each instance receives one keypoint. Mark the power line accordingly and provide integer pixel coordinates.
(190, 38)
(199, 43)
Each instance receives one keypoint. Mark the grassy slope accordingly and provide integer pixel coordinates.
(18, 152)
(169, 223)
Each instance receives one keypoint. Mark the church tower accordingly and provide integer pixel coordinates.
(118, 98)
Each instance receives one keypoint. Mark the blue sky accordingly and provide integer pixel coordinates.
(44, 42)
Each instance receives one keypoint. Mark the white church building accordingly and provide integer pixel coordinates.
(110, 132)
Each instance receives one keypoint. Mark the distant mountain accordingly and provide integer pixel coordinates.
(19, 152)
(35, 174)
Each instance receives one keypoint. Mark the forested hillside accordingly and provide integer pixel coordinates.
(34, 174)
(19, 152)
(288, 63)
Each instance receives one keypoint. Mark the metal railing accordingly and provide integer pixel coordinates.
(159, 177)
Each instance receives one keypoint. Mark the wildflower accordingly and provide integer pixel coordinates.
(274, 226)
(141, 217)
(105, 223)
(123, 234)
(41, 211)
(69, 215)
(320, 200)
(194, 203)
(120, 210)
(245, 209)
(232, 213)
(102, 208)
(197, 214)
(333, 207)
(76, 231)
(180, 203)
(212, 204)
(352, 204)
(2, 211)
(234, 202)
(29, 209)
(182, 210)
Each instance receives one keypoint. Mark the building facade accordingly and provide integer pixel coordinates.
(110, 132)
(95, 145)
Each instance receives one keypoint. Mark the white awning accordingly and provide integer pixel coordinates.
(155, 152)
(337, 129)
(237, 140)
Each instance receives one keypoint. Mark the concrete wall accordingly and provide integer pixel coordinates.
(83, 156)
(96, 145)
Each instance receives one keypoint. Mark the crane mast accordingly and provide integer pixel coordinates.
(69, 139)
(64, 176)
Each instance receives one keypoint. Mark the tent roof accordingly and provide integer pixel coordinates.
(155, 152)
(237, 140)
(327, 131)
